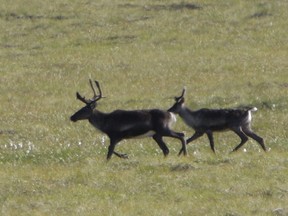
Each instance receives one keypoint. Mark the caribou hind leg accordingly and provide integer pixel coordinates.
(211, 139)
(254, 136)
(180, 136)
(161, 144)
(242, 136)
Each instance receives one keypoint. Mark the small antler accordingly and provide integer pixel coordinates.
(182, 95)
(95, 97)
(79, 97)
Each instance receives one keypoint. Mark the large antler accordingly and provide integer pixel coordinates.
(95, 97)
(182, 95)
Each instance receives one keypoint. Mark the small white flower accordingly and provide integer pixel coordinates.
(103, 140)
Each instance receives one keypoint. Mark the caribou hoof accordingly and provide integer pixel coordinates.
(124, 156)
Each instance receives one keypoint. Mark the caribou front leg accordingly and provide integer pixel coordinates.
(111, 151)
(194, 136)
(179, 136)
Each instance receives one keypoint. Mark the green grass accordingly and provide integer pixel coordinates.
(227, 53)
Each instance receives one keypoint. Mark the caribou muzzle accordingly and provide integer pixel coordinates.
(73, 119)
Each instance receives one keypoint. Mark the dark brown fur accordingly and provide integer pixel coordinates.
(207, 121)
(123, 124)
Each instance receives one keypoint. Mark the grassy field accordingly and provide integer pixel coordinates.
(227, 53)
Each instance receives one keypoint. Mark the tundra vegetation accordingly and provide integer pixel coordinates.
(228, 54)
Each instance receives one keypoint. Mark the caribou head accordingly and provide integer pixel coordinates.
(86, 111)
(179, 101)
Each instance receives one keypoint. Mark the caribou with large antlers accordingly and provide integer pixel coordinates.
(122, 124)
(207, 121)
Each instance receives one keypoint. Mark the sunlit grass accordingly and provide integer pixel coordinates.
(227, 54)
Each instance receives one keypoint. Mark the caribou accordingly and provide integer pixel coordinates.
(207, 121)
(125, 124)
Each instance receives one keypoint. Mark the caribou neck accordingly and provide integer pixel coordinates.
(97, 119)
(188, 116)
(184, 112)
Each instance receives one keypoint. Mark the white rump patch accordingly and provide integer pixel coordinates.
(249, 116)
(254, 109)
(172, 120)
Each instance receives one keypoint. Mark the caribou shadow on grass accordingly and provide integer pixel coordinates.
(169, 7)
(182, 167)
(9, 132)
(121, 39)
(15, 16)
(260, 15)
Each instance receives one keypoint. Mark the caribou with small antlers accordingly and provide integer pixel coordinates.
(207, 121)
(123, 124)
